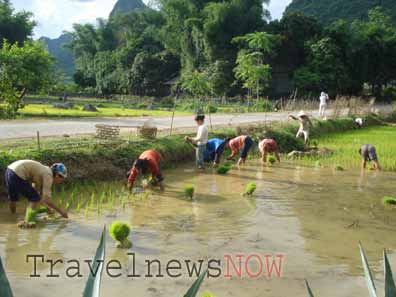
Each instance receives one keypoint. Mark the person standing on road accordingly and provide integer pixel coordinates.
(241, 144)
(305, 124)
(369, 154)
(200, 141)
(20, 177)
(147, 163)
(268, 146)
(324, 97)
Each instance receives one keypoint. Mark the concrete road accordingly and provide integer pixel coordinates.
(28, 128)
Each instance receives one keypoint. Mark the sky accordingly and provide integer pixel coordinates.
(56, 16)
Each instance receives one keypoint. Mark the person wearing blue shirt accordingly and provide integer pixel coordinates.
(214, 150)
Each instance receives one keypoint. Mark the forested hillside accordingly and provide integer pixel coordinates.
(329, 11)
(64, 58)
(63, 55)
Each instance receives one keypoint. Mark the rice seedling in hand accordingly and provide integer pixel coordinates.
(120, 231)
(389, 200)
(189, 192)
(193, 291)
(250, 189)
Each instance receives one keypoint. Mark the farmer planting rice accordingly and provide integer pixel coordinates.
(148, 163)
(305, 123)
(268, 146)
(214, 150)
(241, 144)
(369, 154)
(34, 181)
(200, 141)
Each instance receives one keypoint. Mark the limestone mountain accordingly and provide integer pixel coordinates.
(126, 6)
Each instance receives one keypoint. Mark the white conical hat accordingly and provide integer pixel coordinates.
(302, 114)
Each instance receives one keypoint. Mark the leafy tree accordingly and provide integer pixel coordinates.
(251, 67)
(377, 38)
(14, 27)
(22, 69)
(196, 83)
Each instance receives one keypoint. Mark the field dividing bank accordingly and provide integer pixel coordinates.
(346, 145)
(111, 161)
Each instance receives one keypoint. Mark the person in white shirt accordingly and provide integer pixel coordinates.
(200, 140)
(323, 104)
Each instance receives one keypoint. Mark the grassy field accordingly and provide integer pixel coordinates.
(46, 110)
(347, 144)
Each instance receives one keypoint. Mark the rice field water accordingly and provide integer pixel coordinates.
(347, 144)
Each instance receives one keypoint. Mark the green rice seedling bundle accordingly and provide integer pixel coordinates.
(223, 169)
(339, 168)
(31, 215)
(30, 219)
(189, 191)
(42, 209)
(120, 231)
(86, 212)
(92, 200)
(271, 159)
(388, 200)
(250, 189)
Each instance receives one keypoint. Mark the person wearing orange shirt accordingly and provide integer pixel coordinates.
(241, 144)
(148, 163)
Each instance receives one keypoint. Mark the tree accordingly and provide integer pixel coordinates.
(377, 38)
(251, 67)
(22, 69)
(14, 27)
(196, 83)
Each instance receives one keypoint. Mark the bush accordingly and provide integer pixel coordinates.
(211, 109)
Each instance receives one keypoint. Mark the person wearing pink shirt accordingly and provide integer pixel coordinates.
(241, 144)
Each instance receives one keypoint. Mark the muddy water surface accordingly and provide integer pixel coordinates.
(314, 217)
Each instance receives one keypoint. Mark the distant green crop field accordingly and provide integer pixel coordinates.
(346, 146)
(45, 110)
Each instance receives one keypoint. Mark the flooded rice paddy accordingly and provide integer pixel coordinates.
(315, 217)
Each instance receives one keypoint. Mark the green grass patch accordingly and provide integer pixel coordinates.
(46, 110)
(346, 147)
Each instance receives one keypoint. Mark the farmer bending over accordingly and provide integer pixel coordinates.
(369, 153)
(148, 163)
(242, 143)
(305, 124)
(200, 141)
(268, 146)
(20, 176)
(214, 150)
